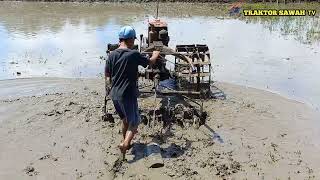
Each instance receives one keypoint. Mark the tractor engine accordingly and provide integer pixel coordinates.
(182, 90)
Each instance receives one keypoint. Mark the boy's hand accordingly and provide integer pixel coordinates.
(156, 54)
(154, 57)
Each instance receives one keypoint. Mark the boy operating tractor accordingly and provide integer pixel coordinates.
(122, 69)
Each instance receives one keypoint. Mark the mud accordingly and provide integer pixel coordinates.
(61, 136)
(30, 171)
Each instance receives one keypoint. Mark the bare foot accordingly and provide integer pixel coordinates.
(122, 148)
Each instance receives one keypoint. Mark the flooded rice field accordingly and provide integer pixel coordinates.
(281, 55)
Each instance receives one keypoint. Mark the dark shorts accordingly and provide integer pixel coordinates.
(128, 109)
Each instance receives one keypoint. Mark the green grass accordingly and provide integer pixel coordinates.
(274, 5)
(305, 29)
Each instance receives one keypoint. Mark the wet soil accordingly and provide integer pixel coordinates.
(251, 134)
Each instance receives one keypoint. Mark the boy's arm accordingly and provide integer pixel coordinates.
(154, 57)
(144, 61)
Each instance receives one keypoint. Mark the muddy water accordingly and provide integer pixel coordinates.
(281, 55)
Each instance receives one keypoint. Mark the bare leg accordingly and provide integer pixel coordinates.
(125, 126)
(129, 136)
(124, 146)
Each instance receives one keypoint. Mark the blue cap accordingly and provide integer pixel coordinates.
(127, 32)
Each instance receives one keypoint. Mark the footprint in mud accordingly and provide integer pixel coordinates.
(118, 167)
(180, 169)
(48, 156)
(226, 170)
(30, 171)
(53, 113)
(45, 157)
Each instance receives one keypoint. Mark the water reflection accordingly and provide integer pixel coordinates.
(68, 39)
